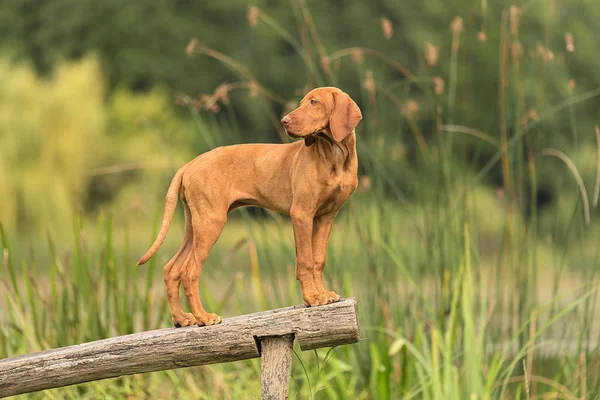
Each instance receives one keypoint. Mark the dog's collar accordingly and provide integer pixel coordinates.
(318, 134)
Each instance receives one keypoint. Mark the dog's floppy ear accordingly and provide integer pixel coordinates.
(344, 117)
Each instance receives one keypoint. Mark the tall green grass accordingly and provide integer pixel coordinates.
(409, 349)
(464, 292)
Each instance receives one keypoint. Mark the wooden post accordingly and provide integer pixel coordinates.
(234, 339)
(276, 366)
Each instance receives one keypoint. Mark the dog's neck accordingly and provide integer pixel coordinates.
(340, 154)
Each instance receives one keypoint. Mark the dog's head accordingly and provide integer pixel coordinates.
(325, 110)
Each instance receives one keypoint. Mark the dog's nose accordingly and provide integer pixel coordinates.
(286, 120)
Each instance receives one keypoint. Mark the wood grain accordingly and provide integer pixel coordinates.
(234, 339)
(276, 366)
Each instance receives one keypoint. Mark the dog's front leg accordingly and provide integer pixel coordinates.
(320, 236)
(303, 226)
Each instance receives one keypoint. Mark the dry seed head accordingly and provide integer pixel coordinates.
(369, 82)
(182, 99)
(481, 36)
(571, 85)
(530, 115)
(411, 110)
(358, 55)
(516, 49)
(364, 183)
(325, 63)
(533, 115)
(514, 13)
(222, 93)
(386, 27)
(206, 101)
(191, 46)
(253, 14)
(546, 54)
(456, 26)
(398, 151)
(254, 88)
(569, 43)
(540, 50)
(431, 54)
(438, 85)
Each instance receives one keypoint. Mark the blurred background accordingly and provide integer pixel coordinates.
(471, 242)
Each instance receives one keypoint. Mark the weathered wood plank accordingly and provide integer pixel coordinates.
(276, 366)
(234, 339)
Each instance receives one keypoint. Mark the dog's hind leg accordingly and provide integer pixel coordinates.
(206, 230)
(172, 275)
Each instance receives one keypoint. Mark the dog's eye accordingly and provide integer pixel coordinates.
(313, 102)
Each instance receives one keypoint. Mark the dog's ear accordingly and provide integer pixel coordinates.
(344, 117)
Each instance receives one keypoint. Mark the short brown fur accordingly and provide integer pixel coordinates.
(309, 180)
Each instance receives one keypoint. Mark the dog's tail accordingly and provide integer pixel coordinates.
(170, 205)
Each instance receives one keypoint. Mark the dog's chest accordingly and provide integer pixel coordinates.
(345, 180)
(338, 191)
(345, 187)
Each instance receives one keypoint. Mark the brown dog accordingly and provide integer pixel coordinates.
(309, 180)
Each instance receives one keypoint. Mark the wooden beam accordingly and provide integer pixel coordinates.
(234, 339)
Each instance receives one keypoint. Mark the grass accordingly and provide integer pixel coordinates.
(464, 292)
(408, 345)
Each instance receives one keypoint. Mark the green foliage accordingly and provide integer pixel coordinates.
(48, 129)
(65, 149)
(145, 143)
(142, 45)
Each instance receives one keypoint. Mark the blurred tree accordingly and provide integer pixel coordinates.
(48, 130)
(141, 44)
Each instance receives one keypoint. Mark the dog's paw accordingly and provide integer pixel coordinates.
(332, 297)
(185, 319)
(316, 299)
(208, 319)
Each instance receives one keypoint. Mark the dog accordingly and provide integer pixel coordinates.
(309, 180)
